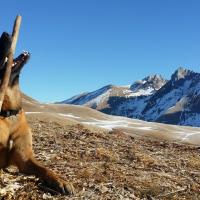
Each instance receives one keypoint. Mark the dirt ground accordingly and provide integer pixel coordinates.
(105, 165)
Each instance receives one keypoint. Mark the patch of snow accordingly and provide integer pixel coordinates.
(185, 134)
(106, 124)
(127, 92)
(33, 112)
(143, 92)
(118, 123)
(144, 128)
(69, 115)
(188, 135)
(61, 114)
(139, 92)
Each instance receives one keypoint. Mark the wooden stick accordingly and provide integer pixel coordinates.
(9, 63)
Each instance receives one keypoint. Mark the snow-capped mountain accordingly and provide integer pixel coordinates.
(107, 98)
(177, 102)
(153, 98)
(120, 100)
(148, 85)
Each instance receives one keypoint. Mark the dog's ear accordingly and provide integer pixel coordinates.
(5, 44)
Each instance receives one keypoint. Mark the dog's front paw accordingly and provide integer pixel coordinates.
(65, 187)
(62, 186)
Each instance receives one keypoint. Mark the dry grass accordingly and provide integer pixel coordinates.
(108, 166)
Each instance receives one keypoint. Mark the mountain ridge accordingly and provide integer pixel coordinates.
(175, 101)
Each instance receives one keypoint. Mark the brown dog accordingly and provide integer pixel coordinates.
(15, 134)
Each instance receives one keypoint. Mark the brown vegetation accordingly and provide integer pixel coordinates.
(107, 165)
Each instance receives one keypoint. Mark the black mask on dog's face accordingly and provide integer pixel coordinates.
(18, 63)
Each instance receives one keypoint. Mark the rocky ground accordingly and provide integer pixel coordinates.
(104, 165)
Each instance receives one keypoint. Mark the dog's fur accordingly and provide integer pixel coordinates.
(15, 134)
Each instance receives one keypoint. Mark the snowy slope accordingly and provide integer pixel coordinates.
(92, 99)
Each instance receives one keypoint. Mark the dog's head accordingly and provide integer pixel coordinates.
(17, 66)
(12, 99)
(18, 63)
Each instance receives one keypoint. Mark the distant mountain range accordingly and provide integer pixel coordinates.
(174, 101)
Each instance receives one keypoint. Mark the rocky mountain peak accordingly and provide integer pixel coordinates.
(157, 81)
(153, 81)
(180, 73)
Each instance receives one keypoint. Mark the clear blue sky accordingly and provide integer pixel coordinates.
(82, 45)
